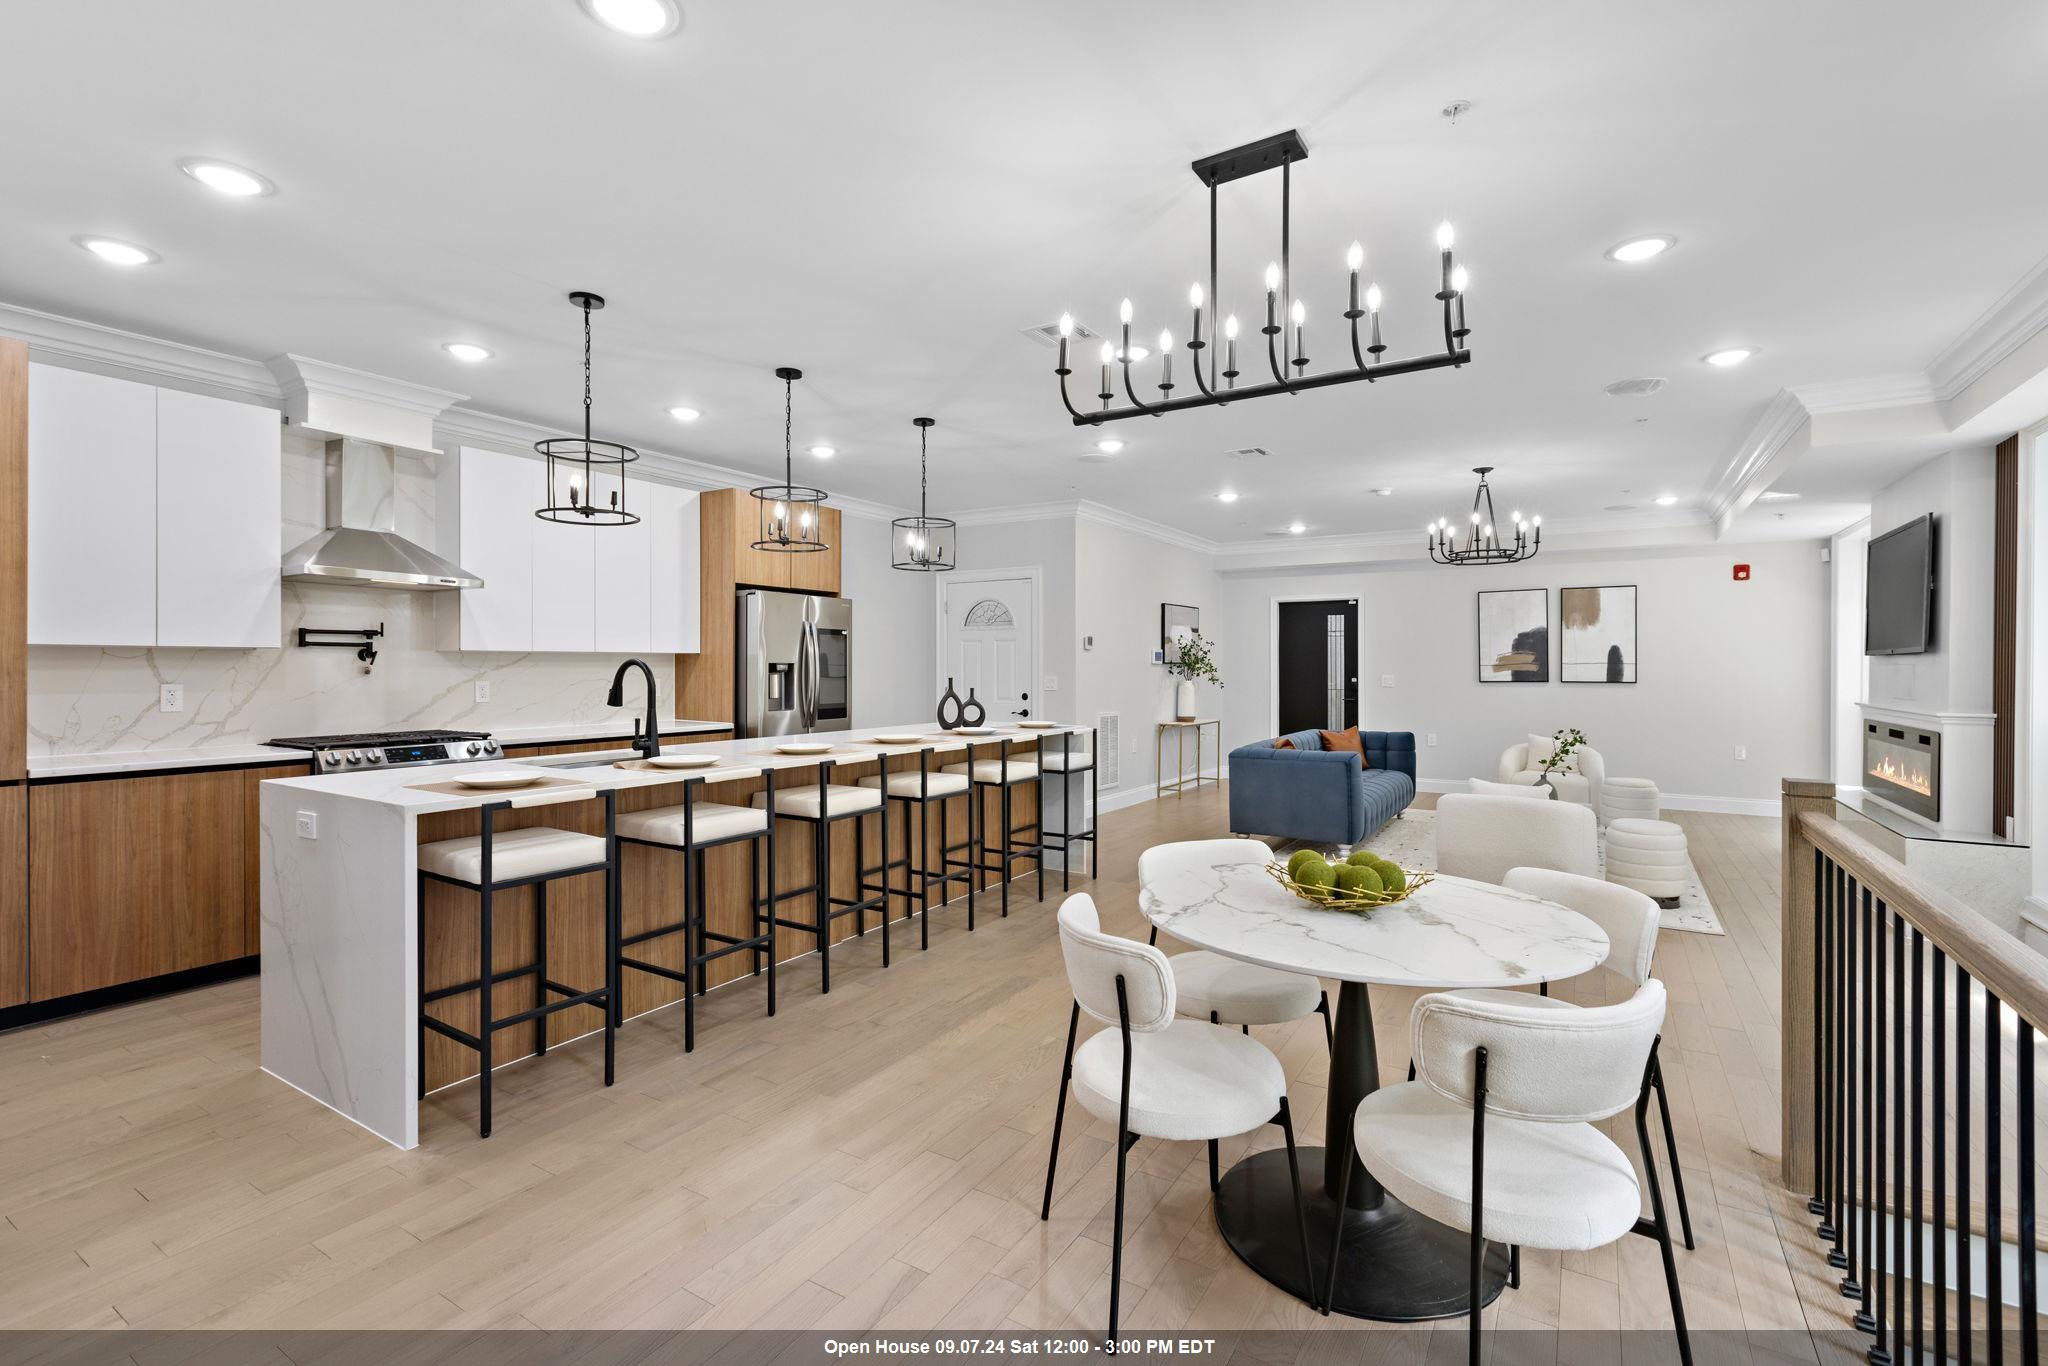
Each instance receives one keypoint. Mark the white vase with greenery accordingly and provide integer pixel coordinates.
(1195, 663)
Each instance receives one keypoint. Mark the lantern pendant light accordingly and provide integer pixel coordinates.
(923, 544)
(791, 515)
(586, 478)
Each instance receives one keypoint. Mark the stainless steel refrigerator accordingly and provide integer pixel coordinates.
(794, 663)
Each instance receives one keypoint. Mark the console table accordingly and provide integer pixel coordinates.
(1181, 779)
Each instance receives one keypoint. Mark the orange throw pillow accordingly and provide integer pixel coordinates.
(1283, 743)
(1345, 741)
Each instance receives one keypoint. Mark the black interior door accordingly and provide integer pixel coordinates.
(1318, 665)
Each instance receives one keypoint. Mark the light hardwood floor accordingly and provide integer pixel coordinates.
(869, 1158)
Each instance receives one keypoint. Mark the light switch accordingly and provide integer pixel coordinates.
(171, 697)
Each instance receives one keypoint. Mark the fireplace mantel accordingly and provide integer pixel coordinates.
(1965, 764)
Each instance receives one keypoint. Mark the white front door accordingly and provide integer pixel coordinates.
(989, 642)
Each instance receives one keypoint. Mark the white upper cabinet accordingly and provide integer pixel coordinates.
(552, 586)
(678, 571)
(92, 510)
(154, 515)
(219, 491)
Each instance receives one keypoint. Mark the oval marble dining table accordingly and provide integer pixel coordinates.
(1217, 895)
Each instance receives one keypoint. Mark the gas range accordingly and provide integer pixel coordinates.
(393, 749)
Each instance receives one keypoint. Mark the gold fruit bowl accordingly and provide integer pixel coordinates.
(1338, 899)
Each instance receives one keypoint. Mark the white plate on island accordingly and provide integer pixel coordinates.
(1038, 725)
(494, 782)
(681, 760)
(973, 730)
(805, 748)
(897, 739)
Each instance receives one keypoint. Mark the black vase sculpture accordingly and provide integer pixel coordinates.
(949, 707)
(979, 712)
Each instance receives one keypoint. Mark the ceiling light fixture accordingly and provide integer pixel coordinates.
(468, 352)
(1227, 496)
(1665, 500)
(823, 452)
(636, 18)
(1109, 446)
(1727, 356)
(576, 463)
(923, 544)
(1483, 544)
(120, 253)
(1640, 248)
(225, 178)
(1295, 528)
(1284, 331)
(791, 515)
(1384, 493)
(684, 414)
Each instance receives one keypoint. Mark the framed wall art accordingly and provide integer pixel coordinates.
(1514, 636)
(1597, 629)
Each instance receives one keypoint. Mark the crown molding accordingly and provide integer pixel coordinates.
(1860, 395)
(1019, 512)
(73, 341)
(1103, 515)
(2001, 329)
(297, 376)
(1749, 471)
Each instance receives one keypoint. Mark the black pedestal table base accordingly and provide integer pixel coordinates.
(1396, 1265)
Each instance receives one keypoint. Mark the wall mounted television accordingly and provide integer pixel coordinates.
(1898, 592)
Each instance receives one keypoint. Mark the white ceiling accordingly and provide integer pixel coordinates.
(885, 195)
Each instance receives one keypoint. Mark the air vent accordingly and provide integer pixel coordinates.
(1249, 453)
(1107, 748)
(1636, 388)
(1048, 334)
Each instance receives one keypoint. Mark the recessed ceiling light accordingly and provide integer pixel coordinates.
(1227, 496)
(636, 18)
(1295, 528)
(1640, 248)
(119, 252)
(1384, 493)
(1730, 355)
(1665, 500)
(1109, 446)
(1773, 496)
(234, 181)
(823, 452)
(684, 414)
(467, 351)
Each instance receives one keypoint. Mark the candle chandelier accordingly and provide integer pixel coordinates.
(790, 517)
(575, 464)
(1483, 544)
(923, 544)
(1286, 344)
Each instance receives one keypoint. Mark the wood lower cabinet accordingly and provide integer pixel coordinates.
(131, 878)
(13, 895)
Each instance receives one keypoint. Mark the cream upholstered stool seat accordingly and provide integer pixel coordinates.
(1060, 761)
(1065, 759)
(1154, 1075)
(804, 803)
(909, 783)
(1649, 856)
(824, 804)
(515, 855)
(1629, 799)
(690, 829)
(918, 790)
(996, 770)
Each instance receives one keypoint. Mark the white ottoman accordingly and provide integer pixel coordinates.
(1629, 799)
(1648, 856)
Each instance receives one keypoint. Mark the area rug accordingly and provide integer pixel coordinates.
(1411, 842)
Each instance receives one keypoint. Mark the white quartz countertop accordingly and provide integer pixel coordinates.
(410, 789)
(237, 756)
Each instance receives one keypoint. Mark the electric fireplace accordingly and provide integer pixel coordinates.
(1902, 764)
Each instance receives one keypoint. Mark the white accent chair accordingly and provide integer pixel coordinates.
(1155, 1075)
(1225, 991)
(1523, 765)
(1482, 837)
(1497, 1135)
(1526, 791)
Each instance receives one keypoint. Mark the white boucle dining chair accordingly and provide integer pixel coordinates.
(1482, 837)
(1155, 1075)
(1496, 1135)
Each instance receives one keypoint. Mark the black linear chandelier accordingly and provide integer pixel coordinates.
(1286, 348)
(1482, 537)
(575, 463)
(923, 544)
(790, 514)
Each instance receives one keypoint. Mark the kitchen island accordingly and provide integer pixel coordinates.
(348, 943)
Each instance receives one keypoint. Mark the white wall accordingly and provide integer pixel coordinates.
(1849, 667)
(894, 643)
(1955, 675)
(1721, 664)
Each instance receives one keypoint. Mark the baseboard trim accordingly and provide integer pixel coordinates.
(103, 998)
(1131, 796)
(1669, 801)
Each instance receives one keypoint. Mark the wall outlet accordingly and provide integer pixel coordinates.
(1052, 682)
(171, 697)
(309, 825)
(1386, 680)
(482, 690)
(1432, 739)
(1742, 751)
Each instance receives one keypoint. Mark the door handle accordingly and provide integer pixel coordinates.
(816, 669)
(1025, 712)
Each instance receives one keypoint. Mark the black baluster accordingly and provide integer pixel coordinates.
(1847, 1217)
(1938, 1173)
(1994, 1183)
(1866, 1211)
(1837, 1257)
(1880, 1354)
(1815, 1204)
(2030, 1302)
(1899, 1137)
(1915, 1257)
(1963, 1343)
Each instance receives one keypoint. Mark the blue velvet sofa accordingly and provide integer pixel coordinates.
(1307, 793)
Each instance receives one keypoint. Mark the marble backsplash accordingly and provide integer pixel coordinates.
(85, 700)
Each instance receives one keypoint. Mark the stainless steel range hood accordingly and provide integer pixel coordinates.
(361, 544)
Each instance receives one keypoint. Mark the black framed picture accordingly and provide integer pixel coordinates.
(1514, 636)
(1597, 634)
(1176, 620)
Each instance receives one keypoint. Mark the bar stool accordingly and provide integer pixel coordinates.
(690, 829)
(824, 804)
(919, 792)
(1064, 761)
(1004, 774)
(488, 863)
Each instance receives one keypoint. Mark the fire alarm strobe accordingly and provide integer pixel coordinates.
(1742, 573)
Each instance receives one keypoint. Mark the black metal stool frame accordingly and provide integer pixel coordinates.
(1068, 835)
(696, 950)
(918, 879)
(1013, 848)
(830, 907)
(488, 977)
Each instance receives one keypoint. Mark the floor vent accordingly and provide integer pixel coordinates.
(1107, 747)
